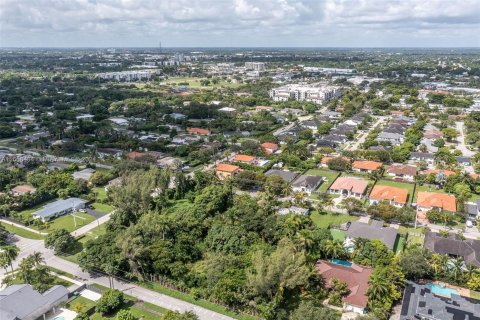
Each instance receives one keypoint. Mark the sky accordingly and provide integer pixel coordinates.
(240, 23)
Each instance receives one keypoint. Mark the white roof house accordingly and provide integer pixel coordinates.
(59, 208)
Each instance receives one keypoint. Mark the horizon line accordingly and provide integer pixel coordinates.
(241, 47)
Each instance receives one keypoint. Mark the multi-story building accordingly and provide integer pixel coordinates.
(317, 93)
(255, 66)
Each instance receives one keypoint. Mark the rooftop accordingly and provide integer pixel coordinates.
(354, 185)
(373, 231)
(453, 245)
(227, 167)
(355, 276)
(366, 165)
(437, 200)
(395, 194)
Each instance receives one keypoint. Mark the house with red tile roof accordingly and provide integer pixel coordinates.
(224, 170)
(135, 155)
(269, 147)
(244, 158)
(349, 187)
(427, 201)
(23, 189)
(199, 131)
(447, 173)
(326, 160)
(366, 165)
(355, 276)
(395, 196)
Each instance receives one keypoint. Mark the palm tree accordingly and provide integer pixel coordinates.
(334, 249)
(9, 254)
(378, 288)
(456, 267)
(299, 197)
(37, 258)
(293, 223)
(304, 239)
(436, 263)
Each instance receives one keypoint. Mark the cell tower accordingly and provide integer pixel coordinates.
(160, 46)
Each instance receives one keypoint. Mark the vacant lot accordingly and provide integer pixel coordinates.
(328, 219)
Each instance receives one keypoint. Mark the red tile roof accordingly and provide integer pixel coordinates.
(352, 184)
(355, 276)
(269, 147)
(437, 200)
(135, 154)
(435, 171)
(243, 158)
(198, 131)
(227, 167)
(394, 194)
(366, 165)
(325, 160)
(402, 169)
(24, 188)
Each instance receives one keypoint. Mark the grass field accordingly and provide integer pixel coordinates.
(329, 175)
(102, 207)
(338, 235)
(195, 83)
(80, 301)
(325, 220)
(22, 232)
(100, 193)
(199, 302)
(67, 222)
(75, 252)
(391, 183)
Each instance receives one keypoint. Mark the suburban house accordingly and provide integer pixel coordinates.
(402, 171)
(264, 108)
(134, 155)
(447, 173)
(375, 230)
(269, 148)
(420, 302)
(84, 174)
(326, 160)
(392, 137)
(288, 176)
(307, 184)
(109, 152)
(349, 187)
(243, 158)
(198, 131)
(59, 208)
(356, 278)
(433, 200)
(224, 170)
(473, 209)
(366, 165)
(454, 246)
(432, 134)
(22, 189)
(395, 196)
(429, 158)
(21, 301)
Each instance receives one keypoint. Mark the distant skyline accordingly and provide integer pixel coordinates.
(239, 23)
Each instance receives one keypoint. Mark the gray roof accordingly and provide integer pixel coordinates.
(390, 135)
(53, 208)
(422, 155)
(419, 302)
(310, 182)
(21, 301)
(453, 245)
(285, 175)
(373, 231)
(84, 174)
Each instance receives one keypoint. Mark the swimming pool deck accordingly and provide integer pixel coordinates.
(461, 291)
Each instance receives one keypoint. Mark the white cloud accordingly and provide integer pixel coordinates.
(239, 22)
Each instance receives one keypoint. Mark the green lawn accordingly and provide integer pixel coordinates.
(100, 193)
(399, 244)
(338, 235)
(75, 252)
(102, 207)
(22, 232)
(27, 213)
(391, 183)
(67, 222)
(195, 83)
(330, 176)
(325, 220)
(199, 302)
(79, 300)
(426, 188)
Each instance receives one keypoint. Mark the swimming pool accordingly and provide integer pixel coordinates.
(59, 318)
(440, 290)
(341, 262)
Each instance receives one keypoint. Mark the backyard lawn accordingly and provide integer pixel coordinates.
(67, 222)
(102, 207)
(100, 193)
(330, 176)
(338, 235)
(325, 220)
(391, 183)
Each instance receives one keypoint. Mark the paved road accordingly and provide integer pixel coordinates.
(356, 144)
(28, 246)
(461, 140)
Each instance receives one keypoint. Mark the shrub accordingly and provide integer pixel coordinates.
(110, 301)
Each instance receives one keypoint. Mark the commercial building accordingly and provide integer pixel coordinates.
(255, 66)
(317, 92)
